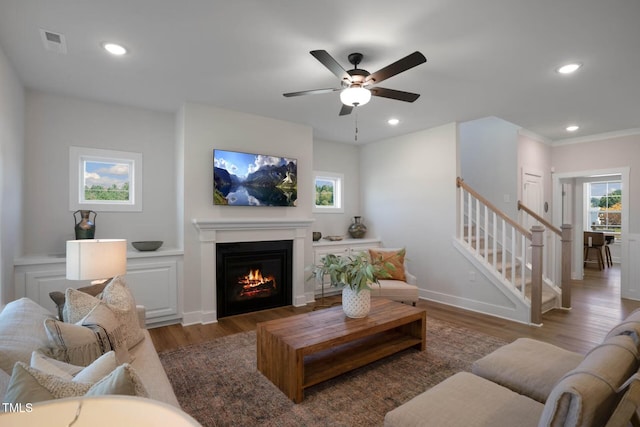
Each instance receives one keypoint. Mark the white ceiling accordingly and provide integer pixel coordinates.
(484, 58)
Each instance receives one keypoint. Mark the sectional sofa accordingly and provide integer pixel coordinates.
(532, 383)
(102, 348)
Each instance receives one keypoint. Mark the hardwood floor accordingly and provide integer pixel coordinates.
(596, 308)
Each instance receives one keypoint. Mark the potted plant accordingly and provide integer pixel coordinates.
(356, 273)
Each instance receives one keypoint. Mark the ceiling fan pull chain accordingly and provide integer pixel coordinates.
(356, 136)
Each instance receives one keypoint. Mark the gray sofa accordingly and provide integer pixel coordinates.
(531, 383)
(22, 332)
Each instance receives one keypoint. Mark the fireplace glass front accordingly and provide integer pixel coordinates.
(253, 276)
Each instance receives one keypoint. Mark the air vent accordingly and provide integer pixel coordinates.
(54, 42)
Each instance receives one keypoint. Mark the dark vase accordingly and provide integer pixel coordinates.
(86, 226)
(357, 229)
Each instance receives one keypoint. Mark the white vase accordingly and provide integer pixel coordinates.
(356, 304)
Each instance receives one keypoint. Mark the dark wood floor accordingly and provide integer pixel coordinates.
(596, 308)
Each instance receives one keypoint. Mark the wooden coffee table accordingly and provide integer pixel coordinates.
(300, 351)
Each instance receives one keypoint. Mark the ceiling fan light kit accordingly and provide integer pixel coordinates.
(358, 85)
(355, 96)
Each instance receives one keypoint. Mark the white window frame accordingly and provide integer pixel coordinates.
(588, 209)
(338, 192)
(77, 158)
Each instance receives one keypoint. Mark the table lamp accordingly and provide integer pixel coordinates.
(98, 260)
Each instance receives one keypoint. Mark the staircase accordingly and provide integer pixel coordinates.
(511, 256)
(511, 271)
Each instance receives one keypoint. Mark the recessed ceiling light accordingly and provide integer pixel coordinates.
(114, 48)
(572, 128)
(393, 122)
(569, 68)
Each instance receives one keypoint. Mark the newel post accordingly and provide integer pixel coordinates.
(567, 243)
(537, 243)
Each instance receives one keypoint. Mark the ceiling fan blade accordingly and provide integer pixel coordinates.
(346, 109)
(310, 92)
(409, 61)
(394, 94)
(333, 65)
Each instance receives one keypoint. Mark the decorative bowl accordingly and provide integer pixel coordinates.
(334, 238)
(147, 245)
(316, 236)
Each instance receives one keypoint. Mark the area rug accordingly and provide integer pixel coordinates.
(217, 382)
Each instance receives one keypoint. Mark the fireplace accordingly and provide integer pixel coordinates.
(253, 276)
(213, 232)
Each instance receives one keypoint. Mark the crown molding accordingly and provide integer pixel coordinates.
(596, 137)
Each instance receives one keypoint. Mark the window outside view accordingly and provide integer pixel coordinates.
(325, 189)
(106, 182)
(605, 206)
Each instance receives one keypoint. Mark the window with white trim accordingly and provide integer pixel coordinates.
(105, 180)
(604, 206)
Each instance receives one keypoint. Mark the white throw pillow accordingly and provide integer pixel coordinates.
(82, 343)
(120, 299)
(117, 296)
(77, 304)
(97, 370)
(29, 385)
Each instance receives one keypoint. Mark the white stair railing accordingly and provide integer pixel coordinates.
(557, 254)
(490, 234)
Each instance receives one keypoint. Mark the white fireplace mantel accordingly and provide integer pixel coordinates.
(212, 231)
(208, 228)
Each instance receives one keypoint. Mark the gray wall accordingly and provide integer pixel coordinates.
(345, 159)
(11, 184)
(53, 124)
(204, 128)
(488, 160)
(409, 196)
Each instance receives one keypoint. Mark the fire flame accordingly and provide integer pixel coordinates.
(255, 283)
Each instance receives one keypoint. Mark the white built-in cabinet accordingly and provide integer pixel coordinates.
(153, 278)
(344, 247)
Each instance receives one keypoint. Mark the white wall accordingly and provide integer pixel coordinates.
(612, 153)
(11, 182)
(409, 196)
(206, 128)
(535, 155)
(345, 159)
(53, 124)
(609, 152)
(488, 160)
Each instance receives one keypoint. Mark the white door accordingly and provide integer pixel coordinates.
(533, 198)
(532, 195)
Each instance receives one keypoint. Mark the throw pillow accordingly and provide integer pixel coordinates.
(380, 257)
(97, 370)
(21, 332)
(59, 297)
(82, 343)
(29, 385)
(119, 299)
(54, 367)
(77, 305)
(117, 296)
(123, 380)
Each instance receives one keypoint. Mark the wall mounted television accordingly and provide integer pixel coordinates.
(245, 179)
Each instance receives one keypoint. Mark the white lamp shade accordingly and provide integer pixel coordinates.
(92, 259)
(355, 96)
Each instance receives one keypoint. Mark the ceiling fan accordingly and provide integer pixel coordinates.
(357, 85)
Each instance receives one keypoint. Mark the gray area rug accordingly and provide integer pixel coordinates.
(217, 382)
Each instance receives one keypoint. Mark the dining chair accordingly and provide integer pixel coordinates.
(594, 240)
